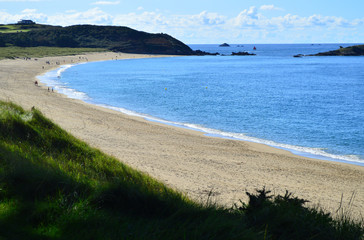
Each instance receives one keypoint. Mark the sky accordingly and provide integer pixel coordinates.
(206, 21)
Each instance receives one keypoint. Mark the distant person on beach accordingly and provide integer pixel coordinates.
(36, 83)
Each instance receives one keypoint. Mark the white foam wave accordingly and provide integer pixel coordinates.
(72, 93)
(298, 150)
(63, 68)
(318, 153)
(52, 80)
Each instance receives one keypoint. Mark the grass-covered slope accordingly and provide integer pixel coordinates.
(114, 38)
(16, 28)
(53, 186)
(38, 52)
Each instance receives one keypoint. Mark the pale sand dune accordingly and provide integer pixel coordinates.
(183, 159)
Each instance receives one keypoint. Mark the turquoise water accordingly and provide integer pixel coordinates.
(312, 106)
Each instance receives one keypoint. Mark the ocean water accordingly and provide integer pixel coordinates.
(312, 106)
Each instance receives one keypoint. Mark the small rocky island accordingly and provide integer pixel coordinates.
(357, 50)
(203, 53)
(242, 54)
(224, 45)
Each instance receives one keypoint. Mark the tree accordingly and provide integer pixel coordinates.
(66, 41)
(2, 42)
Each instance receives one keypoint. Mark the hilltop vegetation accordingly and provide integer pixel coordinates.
(122, 39)
(54, 186)
(16, 28)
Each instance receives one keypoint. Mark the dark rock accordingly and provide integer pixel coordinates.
(242, 54)
(224, 45)
(203, 53)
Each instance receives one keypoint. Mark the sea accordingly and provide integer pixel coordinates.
(311, 106)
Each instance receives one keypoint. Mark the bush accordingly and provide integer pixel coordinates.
(286, 217)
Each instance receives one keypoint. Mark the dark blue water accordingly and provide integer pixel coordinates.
(313, 106)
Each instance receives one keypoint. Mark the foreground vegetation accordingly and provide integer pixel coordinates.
(37, 52)
(53, 186)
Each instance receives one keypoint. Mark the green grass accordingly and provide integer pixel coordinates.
(12, 28)
(15, 28)
(14, 52)
(54, 186)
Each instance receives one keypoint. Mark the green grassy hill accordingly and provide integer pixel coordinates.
(114, 38)
(54, 186)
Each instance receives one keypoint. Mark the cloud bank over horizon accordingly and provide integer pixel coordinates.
(255, 24)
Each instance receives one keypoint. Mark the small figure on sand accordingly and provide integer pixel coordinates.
(36, 83)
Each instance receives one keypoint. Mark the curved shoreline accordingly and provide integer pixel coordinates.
(184, 159)
(60, 87)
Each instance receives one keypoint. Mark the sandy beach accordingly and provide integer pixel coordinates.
(183, 159)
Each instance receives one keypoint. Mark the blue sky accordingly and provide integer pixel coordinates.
(207, 21)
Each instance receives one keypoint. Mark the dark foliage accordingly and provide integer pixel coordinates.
(2, 42)
(286, 217)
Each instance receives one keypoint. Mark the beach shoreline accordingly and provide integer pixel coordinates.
(184, 159)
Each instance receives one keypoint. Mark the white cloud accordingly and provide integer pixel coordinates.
(207, 27)
(207, 18)
(252, 12)
(29, 11)
(357, 22)
(270, 8)
(140, 8)
(146, 21)
(248, 18)
(25, 14)
(106, 3)
(314, 21)
(92, 16)
(71, 11)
